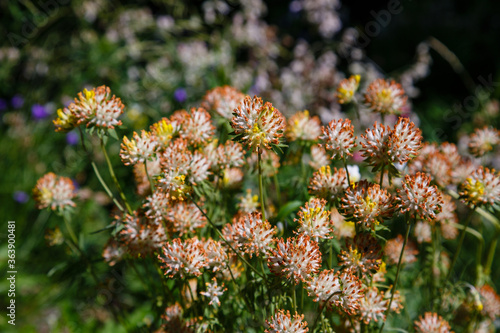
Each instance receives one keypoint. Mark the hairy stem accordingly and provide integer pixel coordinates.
(460, 243)
(261, 192)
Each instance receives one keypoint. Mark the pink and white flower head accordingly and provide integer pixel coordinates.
(184, 218)
(373, 306)
(184, 258)
(66, 120)
(199, 168)
(197, 127)
(301, 126)
(213, 292)
(374, 144)
(341, 290)
(164, 131)
(217, 257)
(367, 204)
(448, 217)
(54, 191)
(481, 188)
(250, 234)
(248, 203)
(156, 206)
(223, 100)
(258, 124)
(404, 141)
(339, 138)
(385, 97)
(319, 157)
(393, 249)
(97, 107)
(141, 177)
(491, 302)
(230, 155)
(296, 259)
(419, 198)
(432, 323)
(140, 237)
(363, 254)
(113, 252)
(139, 149)
(347, 88)
(283, 322)
(483, 141)
(314, 220)
(328, 185)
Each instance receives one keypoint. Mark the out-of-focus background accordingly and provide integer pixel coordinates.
(162, 55)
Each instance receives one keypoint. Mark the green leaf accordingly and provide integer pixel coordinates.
(288, 209)
(113, 134)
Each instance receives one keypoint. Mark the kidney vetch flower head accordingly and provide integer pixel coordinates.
(54, 191)
(347, 88)
(283, 322)
(339, 138)
(97, 107)
(419, 198)
(258, 124)
(481, 188)
(385, 97)
(432, 323)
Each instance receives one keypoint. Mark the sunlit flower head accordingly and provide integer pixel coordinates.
(341, 290)
(314, 220)
(393, 250)
(156, 206)
(296, 259)
(484, 140)
(54, 191)
(139, 149)
(250, 234)
(223, 100)
(481, 188)
(419, 198)
(199, 168)
(184, 258)
(386, 97)
(301, 126)
(217, 257)
(374, 144)
(347, 88)
(213, 292)
(328, 185)
(373, 306)
(367, 203)
(404, 142)
(66, 120)
(432, 323)
(164, 130)
(283, 322)
(97, 107)
(339, 138)
(258, 124)
(197, 127)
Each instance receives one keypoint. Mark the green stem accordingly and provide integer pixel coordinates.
(347, 172)
(294, 299)
(278, 190)
(261, 194)
(97, 173)
(225, 240)
(321, 308)
(144, 284)
(112, 173)
(382, 175)
(460, 243)
(149, 178)
(400, 261)
(491, 253)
